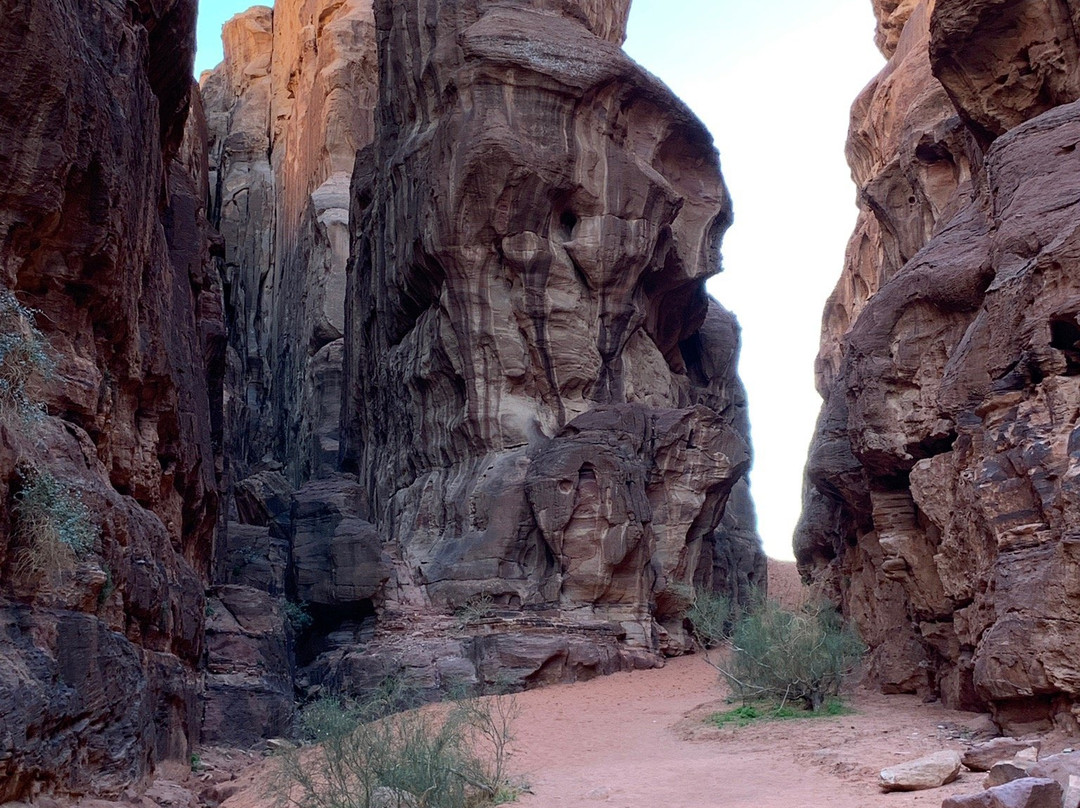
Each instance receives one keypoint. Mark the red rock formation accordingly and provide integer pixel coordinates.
(103, 233)
(939, 505)
(540, 398)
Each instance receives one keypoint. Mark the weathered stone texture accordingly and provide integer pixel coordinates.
(940, 499)
(540, 398)
(103, 232)
(288, 109)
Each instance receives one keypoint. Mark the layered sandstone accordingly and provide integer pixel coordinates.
(940, 499)
(287, 110)
(540, 398)
(540, 412)
(103, 232)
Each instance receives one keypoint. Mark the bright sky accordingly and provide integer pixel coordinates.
(774, 83)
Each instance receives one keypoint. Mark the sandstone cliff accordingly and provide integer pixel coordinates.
(540, 402)
(540, 420)
(111, 358)
(940, 499)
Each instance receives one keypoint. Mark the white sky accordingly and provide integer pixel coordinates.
(774, 82)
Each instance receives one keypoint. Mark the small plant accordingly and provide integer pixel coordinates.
(297, 615)
(196, 762)
(803, 655)
(491, 720)
(431, 758)
(477, 608)
(711, 616)
(54, 524)
(23, 355)
(753, 712)
(107, 588)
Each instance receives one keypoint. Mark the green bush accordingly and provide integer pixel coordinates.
(297, 615)
(792, 656)
(427, 758)
(712, 617)
(54, 525)
(23, 355)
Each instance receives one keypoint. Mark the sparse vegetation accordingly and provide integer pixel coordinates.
(712, 617)
(427, 758)
(802, 655)
(296, 613)
(477, 608)
(54, 525)
(766, 710)
(24, 354)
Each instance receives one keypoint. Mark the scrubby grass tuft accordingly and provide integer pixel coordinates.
(428, 758)
(753, 712)
(54, 525)
(24, 354)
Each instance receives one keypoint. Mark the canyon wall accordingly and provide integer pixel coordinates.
(498, 442)
(541, 405)
(940, 504)
(111, 361)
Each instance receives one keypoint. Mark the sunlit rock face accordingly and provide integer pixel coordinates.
(288, 108)
(103, 232)
(540, 399)
(940, 499)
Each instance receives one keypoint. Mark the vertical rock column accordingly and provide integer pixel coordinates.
(108, 477)
(540, 398)
(289, 107)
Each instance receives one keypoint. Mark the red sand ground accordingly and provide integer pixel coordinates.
(639, 740)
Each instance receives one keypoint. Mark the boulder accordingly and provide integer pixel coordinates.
(931, 771)
(981, 756)
(1028, 792)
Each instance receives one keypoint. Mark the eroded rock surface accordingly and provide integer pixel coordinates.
(103, 232)
(540, 399)
(940, 507)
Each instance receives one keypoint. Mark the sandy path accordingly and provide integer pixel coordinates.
(637, 740)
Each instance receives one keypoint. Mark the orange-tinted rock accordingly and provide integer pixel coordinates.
(1004, 62)
(940, 505)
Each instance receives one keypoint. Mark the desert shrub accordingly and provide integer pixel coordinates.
(475, 609)
(297, 615)
(803, 655)
(364, 758)
(54, 525)
(712, 617)
(23, 354)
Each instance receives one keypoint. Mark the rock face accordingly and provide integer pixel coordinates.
(287, 109)
(109, 452)
(518, 402)
(941, 501)
(540, 399)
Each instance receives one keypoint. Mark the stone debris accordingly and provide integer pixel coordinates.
(931, 771)
(981, 756)
(1028, 792)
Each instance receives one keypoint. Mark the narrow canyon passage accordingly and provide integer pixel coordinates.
(638, 739)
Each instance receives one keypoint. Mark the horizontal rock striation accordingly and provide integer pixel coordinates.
(940, 500)
(111, 360)
(540, 399)
(484, 421)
